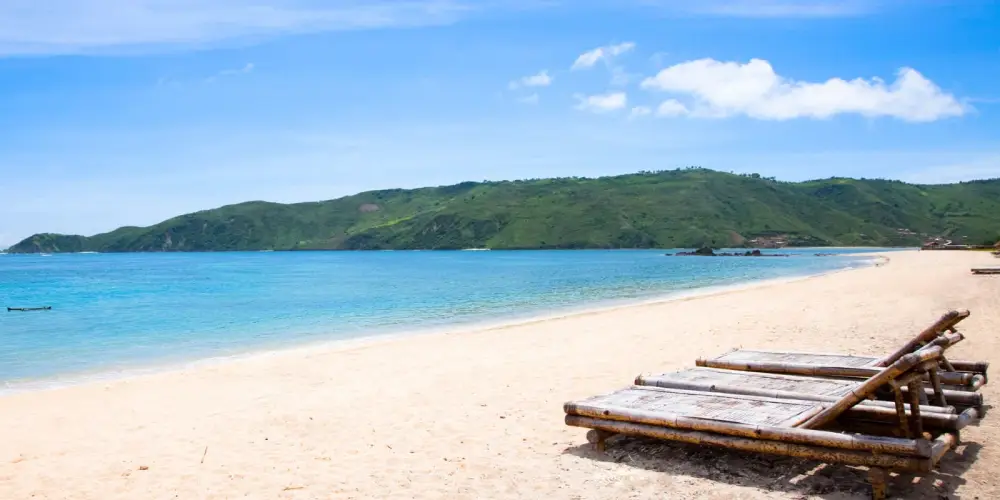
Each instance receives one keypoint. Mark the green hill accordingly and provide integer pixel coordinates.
(678, 208)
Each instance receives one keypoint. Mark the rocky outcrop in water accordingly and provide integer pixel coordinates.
(709, 252)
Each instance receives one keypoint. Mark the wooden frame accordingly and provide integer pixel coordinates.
(799, 428)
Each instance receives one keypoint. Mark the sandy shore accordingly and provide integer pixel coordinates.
(479, 414)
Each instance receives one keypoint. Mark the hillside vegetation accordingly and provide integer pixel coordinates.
(668, 209)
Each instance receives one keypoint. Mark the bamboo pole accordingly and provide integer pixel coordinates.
(830, 455)
(790, 368)
(971, 366)
(957, 378)
(946, 321)
(878, 478)
(928, 420)
(941, 445)
(660, 381)
(868, 387)
(950, 378)
(959, 398)
(915, 394)
(947, 365)
(895, 446)
(939, 398)
(599, 438)
(904, 426)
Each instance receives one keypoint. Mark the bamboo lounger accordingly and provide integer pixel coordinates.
(778, 426)
(962, 374)
(986, 270)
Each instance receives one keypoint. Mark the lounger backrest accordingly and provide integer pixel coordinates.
(901, 368)
(946, 323)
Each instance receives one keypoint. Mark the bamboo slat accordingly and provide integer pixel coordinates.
(827, 390)
(710, 406)
(939, 398)
(661, 409)
(979, 367)
(831, 455)
(950, 378)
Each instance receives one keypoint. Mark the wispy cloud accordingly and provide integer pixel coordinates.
(247, 68)
(716, 89)
(606, 53)
(601, 103)
(83, 26)
(540, 79)
(109, 26)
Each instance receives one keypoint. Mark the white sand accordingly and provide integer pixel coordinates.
(479, 414)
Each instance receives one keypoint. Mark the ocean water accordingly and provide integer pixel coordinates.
(120, 312)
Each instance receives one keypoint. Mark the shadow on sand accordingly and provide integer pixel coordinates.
(780, 474)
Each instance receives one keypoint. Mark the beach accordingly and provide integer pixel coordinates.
(478, 413)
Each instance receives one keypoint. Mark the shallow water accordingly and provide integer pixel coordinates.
(114, 312)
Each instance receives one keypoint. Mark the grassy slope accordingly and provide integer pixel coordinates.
(666, 209)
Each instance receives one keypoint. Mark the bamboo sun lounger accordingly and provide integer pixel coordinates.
(965, 375)
(986, 270)
(798, 428)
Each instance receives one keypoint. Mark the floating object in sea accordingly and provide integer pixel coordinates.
(27, 309)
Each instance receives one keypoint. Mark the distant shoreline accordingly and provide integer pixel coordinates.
(297, 250)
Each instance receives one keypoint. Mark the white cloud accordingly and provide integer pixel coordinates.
(606, 53)
(84, 26)
(720, 89)
(602, 103)
(541, 79)
(639, 111)
(671, 107)
(530, 99)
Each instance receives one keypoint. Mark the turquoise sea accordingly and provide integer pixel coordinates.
(120, 312)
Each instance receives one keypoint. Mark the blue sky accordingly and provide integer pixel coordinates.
(126, 113)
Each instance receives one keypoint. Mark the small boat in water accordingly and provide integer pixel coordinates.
(28, 309)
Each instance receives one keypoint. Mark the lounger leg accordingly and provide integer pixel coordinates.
(877, 477)
(915, 390)
(901, 410)
(599, 438)
(938, 393)
(947, 364)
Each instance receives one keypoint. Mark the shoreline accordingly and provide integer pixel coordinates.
(874, 248)
(479, 414)
(375, 337)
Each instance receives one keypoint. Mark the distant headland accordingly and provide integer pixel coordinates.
(684, 208)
